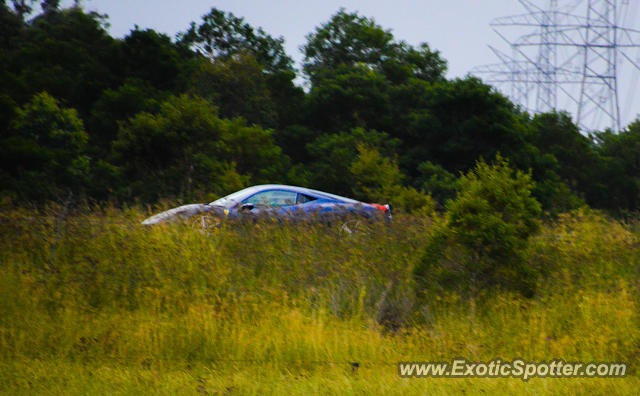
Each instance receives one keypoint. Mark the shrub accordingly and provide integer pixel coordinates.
(481, 240)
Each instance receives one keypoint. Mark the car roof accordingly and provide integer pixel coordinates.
(242, 194)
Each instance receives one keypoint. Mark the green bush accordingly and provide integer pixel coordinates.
(481, 241)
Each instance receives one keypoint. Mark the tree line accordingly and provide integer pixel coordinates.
(217, 108)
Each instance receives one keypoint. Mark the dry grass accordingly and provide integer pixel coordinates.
(93, 303)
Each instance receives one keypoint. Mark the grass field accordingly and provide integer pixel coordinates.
(93, 303)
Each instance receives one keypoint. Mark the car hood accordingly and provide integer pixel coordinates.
(181, 212)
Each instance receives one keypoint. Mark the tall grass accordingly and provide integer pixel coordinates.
(92, 302)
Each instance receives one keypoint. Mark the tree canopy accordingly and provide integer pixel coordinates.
(351, 40)
(222, 106)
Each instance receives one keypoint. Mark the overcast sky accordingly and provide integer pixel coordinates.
(459, 29)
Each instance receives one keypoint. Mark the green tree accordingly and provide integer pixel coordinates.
(439, 183)
(116, 106)
(68, 54)
(43, 152)
(235, 46)
(453, 124)
(151, 56)
(482, 240)
(378, 179)
(557, 135)
(7, 113)
(354, 66)
(352, 97)
(333, 154)
(185, 150)
(351, 40)
(620, 173)
(10, 29)
(239, 88)
(293, 139)
(223, 35)
(373, 174)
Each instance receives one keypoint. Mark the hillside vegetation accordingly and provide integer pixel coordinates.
(92, 302)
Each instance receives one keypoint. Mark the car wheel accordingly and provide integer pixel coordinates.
(205, 222)
(354, 226)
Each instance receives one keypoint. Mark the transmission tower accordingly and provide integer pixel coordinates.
(570, 58)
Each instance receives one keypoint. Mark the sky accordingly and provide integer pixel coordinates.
(459, 29)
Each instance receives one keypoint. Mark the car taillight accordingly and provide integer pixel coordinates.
(383, 208)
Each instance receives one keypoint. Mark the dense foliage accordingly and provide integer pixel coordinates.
(147, 117)
(482, 240)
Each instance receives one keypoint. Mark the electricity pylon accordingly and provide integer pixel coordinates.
(572, 52)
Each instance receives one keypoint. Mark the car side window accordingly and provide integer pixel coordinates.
(303, 198)
(272, 198)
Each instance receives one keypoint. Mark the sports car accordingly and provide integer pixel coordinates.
(279, 202)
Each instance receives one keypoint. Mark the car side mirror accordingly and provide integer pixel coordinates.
(247, 207)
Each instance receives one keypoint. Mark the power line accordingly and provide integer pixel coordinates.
(573, 51)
